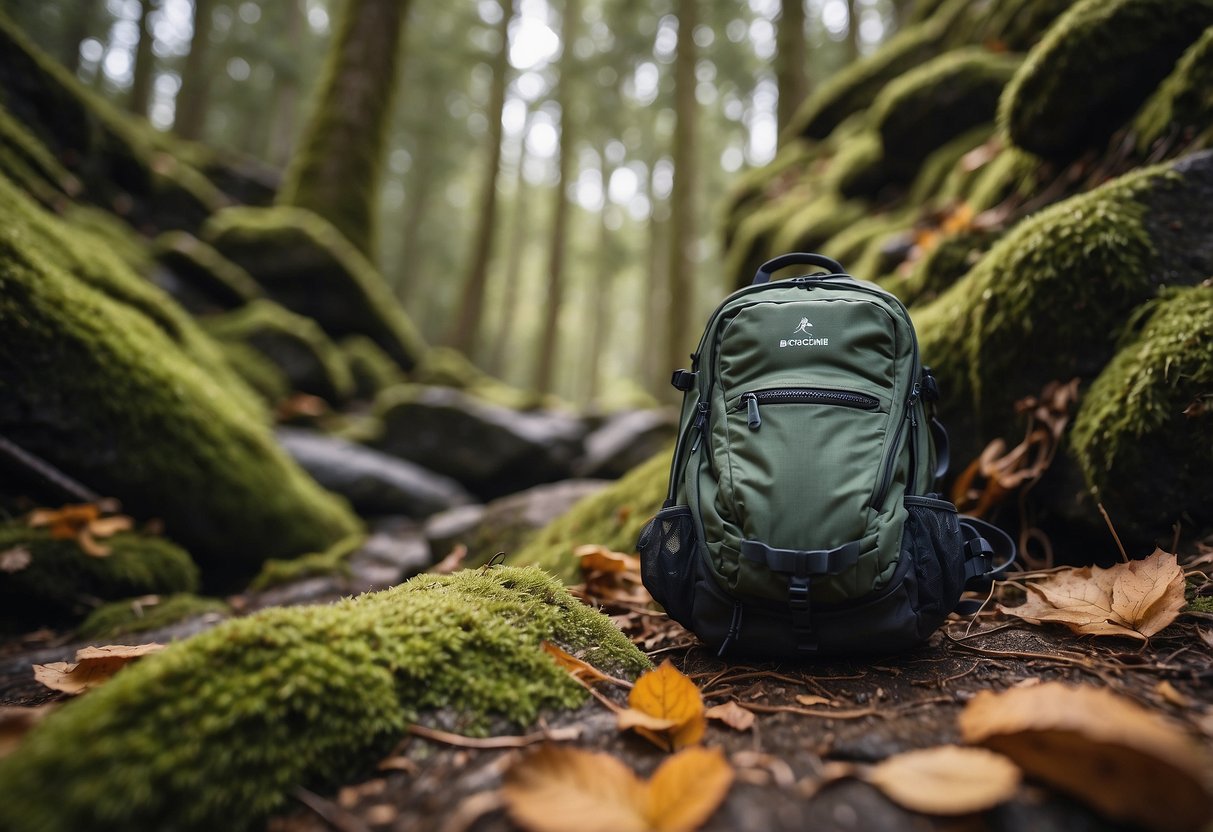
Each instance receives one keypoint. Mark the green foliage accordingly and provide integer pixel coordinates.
(119, 619)
(215, 731)
(104, 392)
(113, 232)
(1185, 99)
(332, 561)
(941, 178)
(297, 345)
(612, 517)
(62, 579)
(1094, 68)
(1142, 436)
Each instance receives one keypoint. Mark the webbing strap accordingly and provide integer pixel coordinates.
(802, 562)
(942, 455)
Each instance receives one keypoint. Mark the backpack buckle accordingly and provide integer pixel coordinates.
(683, 380)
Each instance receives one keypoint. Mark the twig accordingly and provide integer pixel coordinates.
(858, 713)
(1124, 557)
(330, 812)
(483, 743)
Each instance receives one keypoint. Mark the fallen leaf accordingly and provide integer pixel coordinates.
(82, 522)
(1135, 599)
(93, 666)
(732, 715)
(1168, 692)
(948, 780)
(452, 562)
(579, 669)
(666, 708)
(14, 559)
(596, 558)
(556, 789)
(15, 723)
(1129, 763)
(810, 701)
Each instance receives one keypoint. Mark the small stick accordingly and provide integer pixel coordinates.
(1124, 557)
(482, 743)
(332, 814)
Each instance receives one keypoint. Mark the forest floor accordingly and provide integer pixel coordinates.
(808, 719)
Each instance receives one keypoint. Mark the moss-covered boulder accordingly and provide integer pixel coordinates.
(817, 222)
(1049, 299)
(61, 581)
(1144, 434)
(445, 367)
(102, 391)
(305, 264)
(120, 619)
(26, 161)
(1184, 101)
(371, 369)
(199, 278)
(1097, 64)
(612, 517)
(295, 344)
(215, 732)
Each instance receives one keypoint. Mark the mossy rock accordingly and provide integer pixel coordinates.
(858, 170)
(215, 732)
(371, 369)
(942, 178)
(817, 222)
(1185, 99)
(755, 186)
(1009, 174)
(27, 162)
(848, 245)
(305, 264)
(613, 518)
(263, 376)
(113, 156)
(1093, 69)
(295, 344)
(1144, 433)
(102, 392)
(445, 367)
(119, 237)
(62, 581)
(200, 278)
(1015, 25)
(1048, 300)
(942, 266)
(922, 110)
(753, 243)
(119, 619)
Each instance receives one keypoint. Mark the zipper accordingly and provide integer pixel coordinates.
(886, 476)
(801, 395)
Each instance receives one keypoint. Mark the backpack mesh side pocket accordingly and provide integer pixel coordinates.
(667, 549)
(933, 539)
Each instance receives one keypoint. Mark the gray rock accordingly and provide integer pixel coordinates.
(625, 440)
(492, 450)
(373, 482)
(506, 524)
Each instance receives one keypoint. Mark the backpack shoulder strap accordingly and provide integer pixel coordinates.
(982, 543)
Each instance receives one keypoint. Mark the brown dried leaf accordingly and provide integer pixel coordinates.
(1129, 763)
(732, 715)
(65, 522)
(948, 780)
(556, 789)
(14, 559)
(93, 666)
(579, 669)
(452, 562)
(110, 526)
(1169, 693)
(16, 722)
(813, 700)
(596, 558)
(1135, 599)
(671, 713)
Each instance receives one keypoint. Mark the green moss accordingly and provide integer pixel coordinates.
(920, 111)
(1061, 281)
(371, 368)
(332, 561)
(263, 376)
(63, 581)
(941, 177)
(613, 518)
(445, 367)
(141, 615)
(99, 390)
(28, 163)
(816, 222)
(297, 345)
(943, 266)
(1094, 68)
(1008, 174)
(1185, 99)
(752, 244)
(847, 247)
(852, 88)
(859, 168)
(216, 731)
(113, 233)
(1012, 24)
(757, 185)
(305, 264)
(885, 251)
(1144, 433)
(205, 271)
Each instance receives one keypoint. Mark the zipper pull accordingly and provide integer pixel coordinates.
(700, 420)
(910, 405)
(751, 406)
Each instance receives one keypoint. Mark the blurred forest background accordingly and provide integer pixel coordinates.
(527, 189)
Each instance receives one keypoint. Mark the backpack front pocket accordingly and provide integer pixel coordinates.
(667, 547)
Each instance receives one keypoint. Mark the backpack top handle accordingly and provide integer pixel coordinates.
(796, 258)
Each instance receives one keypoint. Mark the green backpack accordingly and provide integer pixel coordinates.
(800, 518)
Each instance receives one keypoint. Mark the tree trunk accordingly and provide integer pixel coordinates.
(600, 299)
(78, 26)
(854, 42)
(286, 97)
(144, 70)
(465, 336)
(560, 216)
(518, 239)
(682, 197)
(194, 95)
(336, 170)
(419, 186)
(791, 62)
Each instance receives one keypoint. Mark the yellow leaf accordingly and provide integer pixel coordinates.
(93, 667)
(1135, 599)
(601, 559)
(575, 666)
(687, 788)
(556, 789)
(947, 780)
(668, 696)
(1129, 763)
(732, 715)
